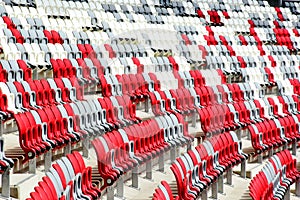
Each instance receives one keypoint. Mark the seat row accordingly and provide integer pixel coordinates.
(36, 33)
(56, 126)
(33, 94)
(14, 70)
(92, 68)
(187, 100)
(288, 86)
(143, 83)
(274, 133)
(234, 115)
(292, 6)
(229, 61)
(119, 151)
(276, 177)
(68, 178)
(201, 167)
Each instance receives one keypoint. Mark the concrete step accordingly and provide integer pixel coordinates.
(22, 184)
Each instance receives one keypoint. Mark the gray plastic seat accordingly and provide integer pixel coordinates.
(64, 37)
(24, 53)
(39, 24)
(26, 36)
(48, 54)
(33, 35)
(10, 37)
(41, 36)
(31, 22)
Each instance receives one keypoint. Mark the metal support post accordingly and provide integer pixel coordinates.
(161, 162)
(285, 146)
(173, 154)
(67, 149)
(135, 178)
(32, 166)
(229, 176)
(204, 195)
(48, 160)
(85, 144)
(294, 148)
(287, 194)
(6, 183)
(243, 169)
(260, 158)
(110, 193)
(194, 119)
(189, 146)
(120, 188)
(147, 105)
(149, 170)
(298, 188)
(214, 190)
(1, 128)
(271, 152)
(221, 184)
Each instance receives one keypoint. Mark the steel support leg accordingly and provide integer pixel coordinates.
(147, 105)
(85, 146)
(194, 119)
(149, 170)
(173, 154)
(229, 177)
(48, 160)
(135, 178)
(110, 193)
(294, 148)
(32, 166)
(214, 190)
(67, 149)
(287, 194)
(120, 188)
(161, 162)
(204, 195)
(221, 184)
(271, 152)
(298, 188)
(243, 169)
(6, 183)
(260, 158)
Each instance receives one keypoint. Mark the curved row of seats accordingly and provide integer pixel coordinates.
(14, 70)
(55, 126)
(68, 178)
(200, 167)
(121, 150)
(274, 133)
(277, 175)
(142, 84)
(33, 94)
(288, 87)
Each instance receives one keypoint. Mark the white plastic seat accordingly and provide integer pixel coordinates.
(116, 66)
(9, 53)
(62, 53)
(10, 98)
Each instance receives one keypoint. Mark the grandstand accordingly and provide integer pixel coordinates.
(149, 99)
